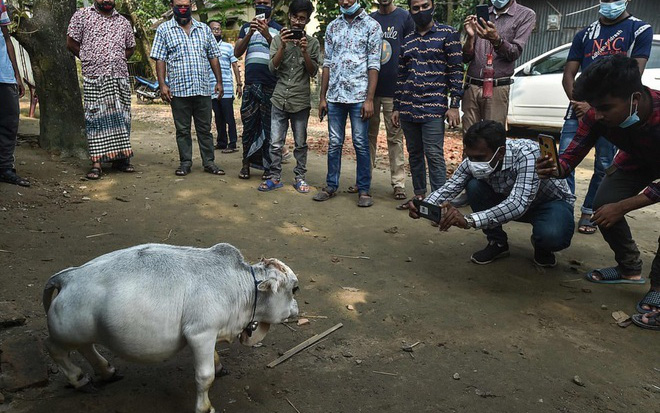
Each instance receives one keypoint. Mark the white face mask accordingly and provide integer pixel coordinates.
(482, 170)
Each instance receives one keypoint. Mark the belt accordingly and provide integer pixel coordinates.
(503, 81)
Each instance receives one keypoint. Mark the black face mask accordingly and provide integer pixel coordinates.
(182, 14)
(217, 38)
(265, 10)
(423, 18)
(104, 6)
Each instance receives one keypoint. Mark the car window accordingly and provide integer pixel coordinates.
(654, 59)
(550, 64)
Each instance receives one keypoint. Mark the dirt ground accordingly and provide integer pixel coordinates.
(503, 337)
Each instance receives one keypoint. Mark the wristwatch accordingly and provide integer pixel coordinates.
(455, 102)
(469, 221)
(499, 43)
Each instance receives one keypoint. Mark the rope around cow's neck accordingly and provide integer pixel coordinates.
(252, 325)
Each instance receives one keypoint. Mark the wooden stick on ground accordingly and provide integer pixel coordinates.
(300, 347)
(294, 407)
(99, 235)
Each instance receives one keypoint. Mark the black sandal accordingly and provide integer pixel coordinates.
(123, 166)
(94, 173)
(182, 170)
(9, 176)
(266, 175)
(244, 173)
(214, 169)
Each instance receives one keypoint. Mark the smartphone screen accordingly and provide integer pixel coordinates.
(548, 147)
(261, 16)
(482, 13)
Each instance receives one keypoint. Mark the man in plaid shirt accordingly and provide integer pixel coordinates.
(627, 114)
(502, 185)
(183, 49)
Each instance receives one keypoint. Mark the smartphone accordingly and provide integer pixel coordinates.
(482, 13)
(548, 147)
(427, 210)
(296, 34)
(261, 16)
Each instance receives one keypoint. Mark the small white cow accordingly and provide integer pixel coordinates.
(147, 302)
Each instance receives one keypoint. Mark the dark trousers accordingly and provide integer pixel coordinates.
(552, 222)
(224, 118)
(618, 185)
(9, 111)
(184, 110)
(426, 140)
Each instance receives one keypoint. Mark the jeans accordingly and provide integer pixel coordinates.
(184, 109)
(426, 140)
(616, 186)
(337, 114)
(278, 129)
(552, 222)
(394, 140)
(8, 124)
(605, 152)
(224, 118)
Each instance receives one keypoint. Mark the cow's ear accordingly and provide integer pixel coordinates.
(269, 285)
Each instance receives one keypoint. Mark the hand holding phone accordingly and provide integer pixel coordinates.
(296, 34)
(482, 13)
(549, 151)
(432, 212)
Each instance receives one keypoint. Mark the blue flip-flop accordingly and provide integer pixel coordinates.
(651, 298)
(611, 275)
(270, 185)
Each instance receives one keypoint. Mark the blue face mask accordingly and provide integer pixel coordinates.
(498, 4)
(351, 10)
(633, 118)
(612, 11)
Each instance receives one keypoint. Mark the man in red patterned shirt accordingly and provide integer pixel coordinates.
(627, 114)
(103, 41)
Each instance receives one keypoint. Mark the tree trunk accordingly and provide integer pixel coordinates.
(62, 123)
(142, 38)
(203, 17)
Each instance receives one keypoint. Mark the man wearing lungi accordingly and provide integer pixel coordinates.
(103, 41)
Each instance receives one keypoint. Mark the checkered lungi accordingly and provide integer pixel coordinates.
(108, 118)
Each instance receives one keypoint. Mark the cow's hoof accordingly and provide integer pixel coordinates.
(222, 372)
(87, 388)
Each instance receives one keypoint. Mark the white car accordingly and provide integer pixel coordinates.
(537, 99)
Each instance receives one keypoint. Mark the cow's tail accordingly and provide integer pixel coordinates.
(54, 284)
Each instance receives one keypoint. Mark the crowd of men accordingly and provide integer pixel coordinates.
(409, 67)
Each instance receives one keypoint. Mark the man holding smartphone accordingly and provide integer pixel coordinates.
(627, 114)
(502, 185)
(254, 41)
(615, 32)
(503, 36)
(294, 58)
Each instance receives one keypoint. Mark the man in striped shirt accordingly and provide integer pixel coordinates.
(254, 41)
(502, 185)
(430, 71)
(223, 106)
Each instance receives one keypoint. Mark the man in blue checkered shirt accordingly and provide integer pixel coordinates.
(183, 49)
(500, 178)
